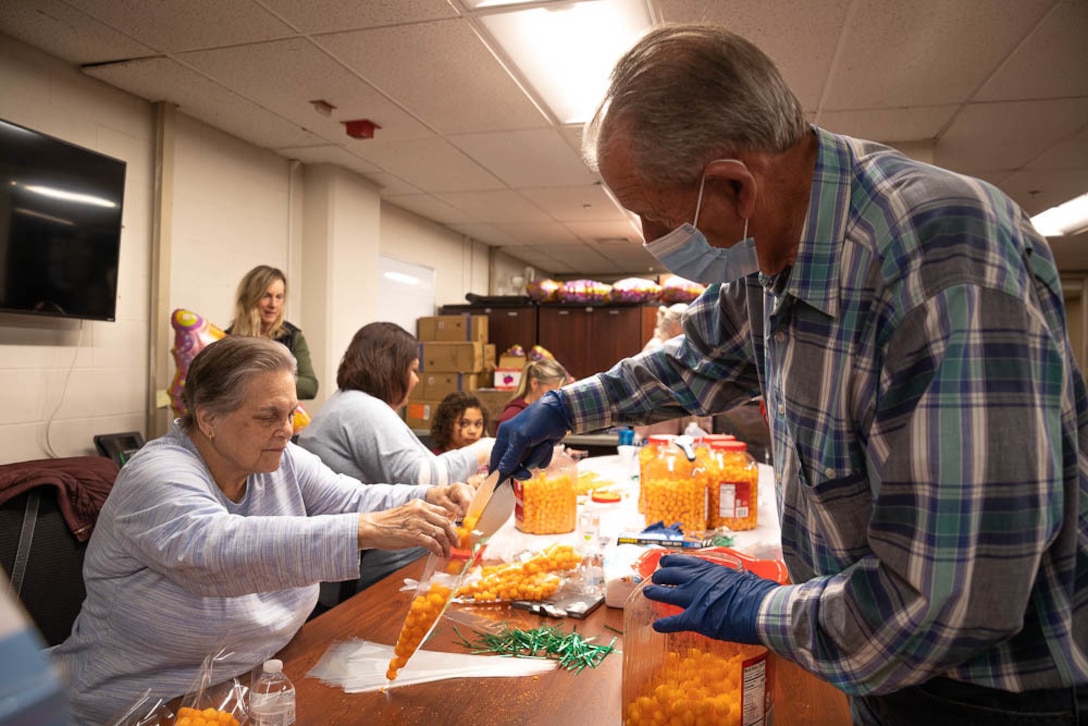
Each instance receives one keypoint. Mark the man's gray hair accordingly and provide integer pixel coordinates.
(217, 377)
(686, 94)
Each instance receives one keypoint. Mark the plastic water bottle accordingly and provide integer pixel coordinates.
(272, 697)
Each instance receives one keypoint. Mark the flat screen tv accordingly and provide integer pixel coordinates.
(60, 226)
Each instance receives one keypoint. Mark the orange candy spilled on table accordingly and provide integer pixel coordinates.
(207, 717)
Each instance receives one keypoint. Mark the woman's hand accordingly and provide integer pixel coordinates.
(410, 525)
(454, 499)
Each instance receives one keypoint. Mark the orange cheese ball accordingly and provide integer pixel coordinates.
(422, 613)
(206, 717)
(670, 500)
(533, 579)
(691, 687)
(549, 504)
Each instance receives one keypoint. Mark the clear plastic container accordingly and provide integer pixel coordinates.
(646, 454)
(548, 502)
(685, 677)
(671, 492)
(733, 487)
(272, 697)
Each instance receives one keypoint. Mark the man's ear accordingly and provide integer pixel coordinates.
(734, 173)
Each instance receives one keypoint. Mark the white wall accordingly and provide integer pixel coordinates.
(460, 263)
(234, 206)
(95, 380)
(230, 215)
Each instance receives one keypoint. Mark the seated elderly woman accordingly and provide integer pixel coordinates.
(358, 431)
(216, 535)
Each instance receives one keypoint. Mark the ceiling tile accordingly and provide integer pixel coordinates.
(484, 233)
(162, 79)
(285, 76)
(1008, 135)
(539, 233)
(574, 203)
(1051, 63)
(522, 158)
(593, 231)
(433, 164)
(324, 16)
(431, 207)
(328, 154)
(799, 37)
(68, 33)
(501, 205)
(391, 184)
(425, 66)
(889, 124)
(177, 26)
(894, 51)
(1037, 191)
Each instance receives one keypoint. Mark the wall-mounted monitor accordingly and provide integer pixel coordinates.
(60, 226)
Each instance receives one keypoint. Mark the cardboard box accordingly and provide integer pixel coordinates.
(440, 357)
(419, 414)
(438, 385)
(494, 401)
(451, 328)
(489, 357)
(511, 361)
(507, 379)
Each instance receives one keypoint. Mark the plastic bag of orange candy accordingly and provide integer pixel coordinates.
(208, 703)
(686, 677)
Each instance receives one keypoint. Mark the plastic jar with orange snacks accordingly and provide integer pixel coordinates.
(733, 487)
(646, 454)
(548, 502)
(688, 678)
(672, 492)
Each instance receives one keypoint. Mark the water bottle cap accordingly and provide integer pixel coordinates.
(274, 665)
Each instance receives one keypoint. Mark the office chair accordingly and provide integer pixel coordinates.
(38, 550)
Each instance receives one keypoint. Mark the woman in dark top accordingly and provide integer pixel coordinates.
(258, 312)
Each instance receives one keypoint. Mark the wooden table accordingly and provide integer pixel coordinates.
(558, 698)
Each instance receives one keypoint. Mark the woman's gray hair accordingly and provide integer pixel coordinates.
(217, 377)
(686, 94)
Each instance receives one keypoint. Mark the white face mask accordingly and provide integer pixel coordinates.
(686, 252)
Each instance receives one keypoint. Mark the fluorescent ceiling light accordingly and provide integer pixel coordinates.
(565, 50)
(1068, 218)
(54, 193)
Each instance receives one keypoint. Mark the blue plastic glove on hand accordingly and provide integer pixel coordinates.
(527, 440)
(719, 602)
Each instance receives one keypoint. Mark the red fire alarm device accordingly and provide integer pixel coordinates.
(361, 128)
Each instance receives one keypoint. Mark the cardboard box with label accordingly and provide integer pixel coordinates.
(419, 414)
(451, 328)
(511, 361)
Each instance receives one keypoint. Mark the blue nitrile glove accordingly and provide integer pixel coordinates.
(719, 602)
(527, 440)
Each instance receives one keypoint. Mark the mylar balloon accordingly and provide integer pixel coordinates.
(191, 334)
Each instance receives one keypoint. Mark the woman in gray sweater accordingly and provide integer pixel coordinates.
(358, 431)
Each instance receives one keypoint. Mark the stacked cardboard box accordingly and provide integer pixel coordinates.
(454, 355)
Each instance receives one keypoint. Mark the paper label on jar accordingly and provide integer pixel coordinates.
(753, 704)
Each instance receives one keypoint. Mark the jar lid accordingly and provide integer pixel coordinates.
(604, 496)
(711, 438)
(729, 445)
(660, 438)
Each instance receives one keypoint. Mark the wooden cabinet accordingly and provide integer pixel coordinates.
(589, 340)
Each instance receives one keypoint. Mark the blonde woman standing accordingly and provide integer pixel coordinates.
(537, 378)
(258, 312)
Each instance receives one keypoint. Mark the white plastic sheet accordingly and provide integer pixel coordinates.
(359, 666)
